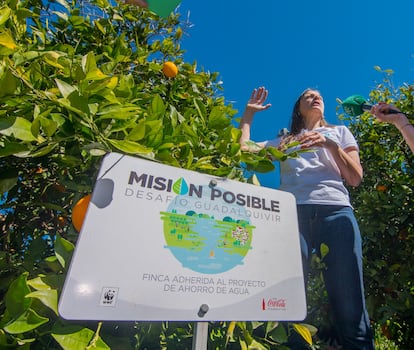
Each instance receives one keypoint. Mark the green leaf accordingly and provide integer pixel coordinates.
(175, 116)
(8, 84)
(277, 332)
(258, 164)
(38, 282)
(48, 126)
(64, 16)
(7, 122)
(304, 332)
(157, 108)
(120, 112)
(264, 166)
(63, 250)
(48, 297)
(138, 132)
(276, 154)
(77, 338)
(95, 149)
(12, 148)
(324, 250)
(201, 109)
(6, 40)
(89, 63)
(95, 74)
(218, 119)
(16, 301)
(37, 152)
(64, 88)
(99, 85)
(7, 183)
(51, 58)
(23, 13)
(204, 163)
(5, 13)
(130, 147)
(21, 129)
(253, 180)
(103, 3)
(154, 127)
(26, 322)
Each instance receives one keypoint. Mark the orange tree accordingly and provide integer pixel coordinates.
(384, 207)
(79, 80)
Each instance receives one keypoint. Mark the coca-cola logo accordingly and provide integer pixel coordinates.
(274, 303)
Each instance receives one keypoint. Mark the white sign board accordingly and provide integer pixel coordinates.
(162, 243)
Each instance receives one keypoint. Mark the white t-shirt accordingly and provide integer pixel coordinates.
(314, 177)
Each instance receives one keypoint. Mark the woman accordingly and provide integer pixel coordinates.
(325, 215)
(399, 120)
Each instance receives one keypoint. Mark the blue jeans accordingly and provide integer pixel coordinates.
(336, 226)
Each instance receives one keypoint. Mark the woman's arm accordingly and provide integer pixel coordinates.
(255, 104)
(399, 120)
(347, 159)
(348, 163)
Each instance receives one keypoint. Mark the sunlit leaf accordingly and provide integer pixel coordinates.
(253, 180)
(21, 129)
(77, 338)
(63, 251)
(130, 147)
(64, 88)
(304, 332)
(324, 250)
(138, 132)
(119, 112)
(8, 84)
(49, 297)
(51, 58)
(157, 108)
(200, 108)
(217, 119)
(6, 39)
(62, 15)
(5, 12)
(26, 322)
(89, 63)
(95, 74)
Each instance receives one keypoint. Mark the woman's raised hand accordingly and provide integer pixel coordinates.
(257, 100)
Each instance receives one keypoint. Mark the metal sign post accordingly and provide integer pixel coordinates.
(200, 336)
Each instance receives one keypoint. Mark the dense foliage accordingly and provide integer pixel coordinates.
(384, 207)
(79, 80)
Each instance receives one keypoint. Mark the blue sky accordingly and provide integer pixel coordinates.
(331, 45)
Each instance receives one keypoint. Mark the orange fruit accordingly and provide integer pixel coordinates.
(79, 211)
(61, 220)
(169, 69)
(381, 188)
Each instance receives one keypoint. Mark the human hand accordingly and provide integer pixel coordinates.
(312, 139)
(257, 100)
(381, 112)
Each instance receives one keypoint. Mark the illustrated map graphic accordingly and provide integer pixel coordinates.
(202, 238)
